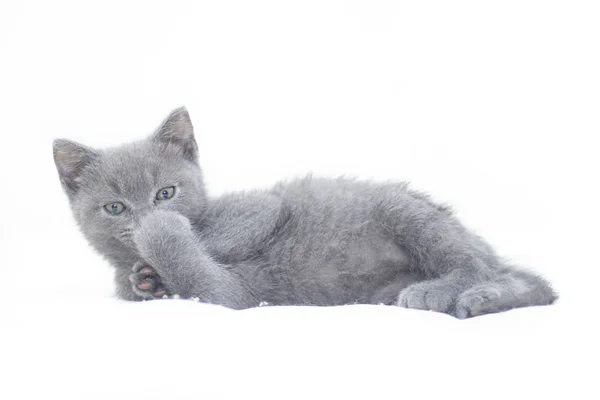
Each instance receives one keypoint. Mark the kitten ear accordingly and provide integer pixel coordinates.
(177, 131)
(70, 159)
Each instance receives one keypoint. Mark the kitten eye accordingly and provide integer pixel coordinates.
(165, 193)
(115, 208)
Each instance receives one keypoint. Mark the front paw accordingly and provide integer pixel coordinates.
(162, 221)
(434, 295)
(160, 231)
(146, 282)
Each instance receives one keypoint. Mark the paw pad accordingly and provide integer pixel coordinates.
(146, 282)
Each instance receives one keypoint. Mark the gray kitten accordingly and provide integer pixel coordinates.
(310, 241)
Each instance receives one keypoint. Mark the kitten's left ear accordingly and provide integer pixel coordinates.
(177, 131)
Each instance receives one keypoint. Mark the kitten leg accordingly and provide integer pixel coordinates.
(166, 241)
(146, 282)
(439, 246)
(466, 277)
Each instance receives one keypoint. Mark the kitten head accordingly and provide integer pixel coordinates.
(110, 190)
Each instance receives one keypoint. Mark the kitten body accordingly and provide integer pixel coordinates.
(310, 241)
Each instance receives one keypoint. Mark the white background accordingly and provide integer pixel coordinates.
(492, 107)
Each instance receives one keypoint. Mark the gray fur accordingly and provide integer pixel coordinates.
(309, 241)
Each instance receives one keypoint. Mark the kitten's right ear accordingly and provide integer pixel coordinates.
(70, 159)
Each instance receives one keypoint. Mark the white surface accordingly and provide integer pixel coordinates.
(490, 106)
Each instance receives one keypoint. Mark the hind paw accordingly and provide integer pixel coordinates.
(146, 282)
(478, 301)
(432, 295)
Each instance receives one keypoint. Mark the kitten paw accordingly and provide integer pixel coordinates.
(478, 300)
(432, 295)
(146, 282)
